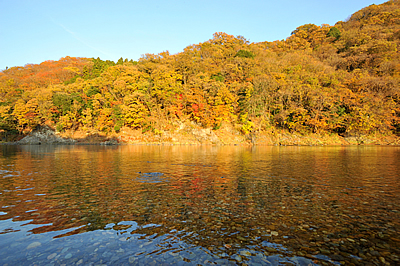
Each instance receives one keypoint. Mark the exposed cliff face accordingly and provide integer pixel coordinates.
(188, 133)
(44, 135)
(193, 134)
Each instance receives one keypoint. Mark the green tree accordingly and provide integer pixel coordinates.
(334, 32)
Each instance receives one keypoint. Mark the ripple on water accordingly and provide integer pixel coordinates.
(199, 205)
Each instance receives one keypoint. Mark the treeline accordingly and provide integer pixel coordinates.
(341, 79)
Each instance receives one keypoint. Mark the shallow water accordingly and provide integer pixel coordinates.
(187, 205)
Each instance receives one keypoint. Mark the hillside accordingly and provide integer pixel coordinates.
(338, 81)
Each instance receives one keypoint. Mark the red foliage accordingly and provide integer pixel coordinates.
(33, 76)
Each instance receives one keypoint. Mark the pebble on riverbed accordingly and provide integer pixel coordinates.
(33, 245)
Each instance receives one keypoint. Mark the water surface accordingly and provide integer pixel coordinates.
(189, 205)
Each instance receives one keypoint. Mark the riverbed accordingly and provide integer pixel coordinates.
(207, 205)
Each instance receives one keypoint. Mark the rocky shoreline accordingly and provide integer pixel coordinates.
(198, 136)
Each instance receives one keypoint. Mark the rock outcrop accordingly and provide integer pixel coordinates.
(44, 135)
(110, 142)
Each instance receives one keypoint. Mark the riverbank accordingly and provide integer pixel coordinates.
(191, 134)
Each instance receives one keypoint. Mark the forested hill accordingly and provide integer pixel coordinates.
(341, 79)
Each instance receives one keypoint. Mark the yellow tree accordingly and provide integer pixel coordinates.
(134, 111)
(26, 114)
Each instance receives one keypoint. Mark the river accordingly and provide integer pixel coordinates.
(207, 205)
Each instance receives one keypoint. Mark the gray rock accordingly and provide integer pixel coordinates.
(132, 259)
(51, 256)
(64, 250)
(337, 257)
(44, 135)
(33, 245)
(375, 253)
(271, 249)
(110, 142)
(245, 253)
(107, 254)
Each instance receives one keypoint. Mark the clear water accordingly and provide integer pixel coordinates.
(190, 205)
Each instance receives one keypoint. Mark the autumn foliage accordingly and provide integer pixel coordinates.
(341, 79)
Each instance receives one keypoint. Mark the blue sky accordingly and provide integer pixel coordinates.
(32, 31)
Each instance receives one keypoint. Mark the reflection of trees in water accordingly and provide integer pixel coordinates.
(223, 209)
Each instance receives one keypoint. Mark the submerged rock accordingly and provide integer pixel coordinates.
(33, 245)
